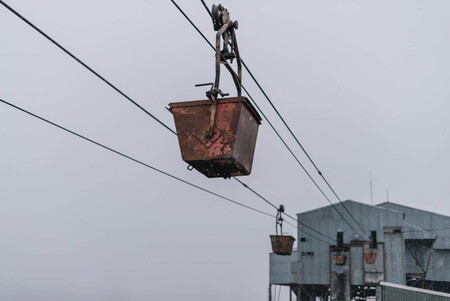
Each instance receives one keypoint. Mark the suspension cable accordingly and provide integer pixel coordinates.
(285, 123)
(133, 159)
(144, 110)
(86, 66)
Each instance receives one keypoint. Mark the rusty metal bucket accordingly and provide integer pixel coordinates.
(339, 259)
(282, 244)
(370, 258)
(229, 150)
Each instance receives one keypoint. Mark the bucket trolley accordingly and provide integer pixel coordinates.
(217, 136)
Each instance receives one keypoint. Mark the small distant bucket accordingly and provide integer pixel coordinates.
(282, 244)
(229, 151)
(339, 259)
(370, 258)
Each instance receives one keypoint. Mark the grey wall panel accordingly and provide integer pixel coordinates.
(439, 269)
(429, 221)
(394, 263)
(357, 264)
(282, 269)
(373, 264)
(311, 263)
(417, 255)
(316, 268)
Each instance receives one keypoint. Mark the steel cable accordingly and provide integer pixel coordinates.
(142, 163)
(134, 102)
(291, 217)
(85, 65)
(133, 159)
(298, 161)
(287, 126)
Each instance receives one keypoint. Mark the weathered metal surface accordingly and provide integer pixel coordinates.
(373, 264)
(218, 136)
(282, 244)
(357, 262)
(426, 226)
(226, 30)
(339, 259)
(418, 254)
(439, 269)
(283, 269)
(229, 150)
(394, 255)
(315, 269)
(420, 228)
(395, 292)
(370, 258)
(431, 222)
(340, 273)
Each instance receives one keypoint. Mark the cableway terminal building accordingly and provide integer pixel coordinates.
(385, 243)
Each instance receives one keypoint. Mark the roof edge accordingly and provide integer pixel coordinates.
(404, 206)
(349, 201)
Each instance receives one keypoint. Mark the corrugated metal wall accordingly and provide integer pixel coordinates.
(390, 292)
(395, 255)
(314, 254)
(283, 270)
(432, 222)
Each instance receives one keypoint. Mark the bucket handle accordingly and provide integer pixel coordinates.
(225, 28)
(225, 31)
(279, 220)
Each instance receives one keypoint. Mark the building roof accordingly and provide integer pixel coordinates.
(345, 203)
(402, 208)
(413, 232)
(416, 223)
(425, 221)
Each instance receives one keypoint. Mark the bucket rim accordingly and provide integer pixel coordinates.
(207, 102)
(289, 236)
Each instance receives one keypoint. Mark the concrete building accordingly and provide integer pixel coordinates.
(387, 242)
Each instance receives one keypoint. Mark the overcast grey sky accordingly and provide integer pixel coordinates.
(363, 84)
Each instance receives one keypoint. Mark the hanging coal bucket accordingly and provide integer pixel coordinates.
(281, 244)
(217, 137)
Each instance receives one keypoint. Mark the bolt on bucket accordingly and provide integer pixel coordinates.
(227, 148)
(282, 244)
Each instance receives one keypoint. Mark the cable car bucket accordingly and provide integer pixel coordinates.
(217, 136)
(281, 244)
